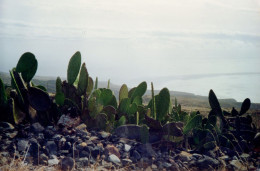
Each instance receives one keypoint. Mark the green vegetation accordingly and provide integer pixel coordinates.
(99, 108)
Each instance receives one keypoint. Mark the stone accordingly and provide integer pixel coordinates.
(82, 162)
(12, 134)
(104, 134)
(97, 151)
(51, 148)
(154, 166)
(6, 126)
(166, 164)
(37, 127)
(67, 163)
(136, 155)
(81, 127)
(238, 165)
(126, 162)
(43, 159)
(127, 147)
(111, 149)
(68, 121)
(48, 133)
(53, 161)
(207, 161)
(114, 159)
(22, 145)
(146, 150)
(185, 156)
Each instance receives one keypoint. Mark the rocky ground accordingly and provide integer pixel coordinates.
(53, 148)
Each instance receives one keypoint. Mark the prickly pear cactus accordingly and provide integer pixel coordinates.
(27, 65)
(73, 68)
(83, 80)
(123, 92)
(245, 106)
(162, 106)
(144, 134)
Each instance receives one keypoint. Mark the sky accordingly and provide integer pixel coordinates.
(132, 41)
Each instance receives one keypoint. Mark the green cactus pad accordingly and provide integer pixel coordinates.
(245, 106)
(139, 91)
(90, 86)
(83, 80)
(27, 65)
(38, 99)
(162, 106)
(123, 92)
(73, 68)
(3, 97)
(193, 123)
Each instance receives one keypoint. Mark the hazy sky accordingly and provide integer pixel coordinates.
(133, 40)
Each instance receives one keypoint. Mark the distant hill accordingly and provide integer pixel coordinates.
(185, 99)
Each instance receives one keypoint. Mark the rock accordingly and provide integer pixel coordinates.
(67, 163)
(22, 145)
(136, 155)
(104, 134)
(53, 161)
(37, 127)
(206, 162)
(146, 150)
(97, 151)
(111, 149)
(81, 127)
(48, 133)
(185, 156)
(166, 164)
(238, 165)
(114, 159)
(82, 162)
(43, 159)
(127, 147)
(126, 162)
(6, 126)
(154, 166)
(68, 122)
(51, 148)
(12, 134)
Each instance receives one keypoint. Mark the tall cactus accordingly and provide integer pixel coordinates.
(123, 92)
(162, 107)
(73, 67)
(27, 65)
(83, 80)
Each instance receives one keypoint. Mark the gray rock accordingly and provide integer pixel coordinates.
(114, 159)
(44, 159)
(127, 147)
(166, 164)
(37, 127)
(67, 163)
(81, 127)
(12, 134)
(6, 126)
(126, 162)
(51, 148)
(238, 165)
(207, 161)
(146, 150)
(53, 161)
(136, 155)
(22, 145)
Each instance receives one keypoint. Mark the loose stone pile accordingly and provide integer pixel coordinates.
(79, 149)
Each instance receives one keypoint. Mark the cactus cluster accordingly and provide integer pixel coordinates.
(99, 109)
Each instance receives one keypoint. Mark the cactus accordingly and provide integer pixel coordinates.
(96, 83)
(83, 80)
(27, 65)
(90, 86)
(153, 102)
(123, 92)
(108, 84)
(3, 97)
(73, 68)
(38, 99)
(245, 106)
(193, 123)
(162, 106)
(59, 97)
(101, 121)
(139, 91)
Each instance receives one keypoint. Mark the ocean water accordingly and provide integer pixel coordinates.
(233, 85)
